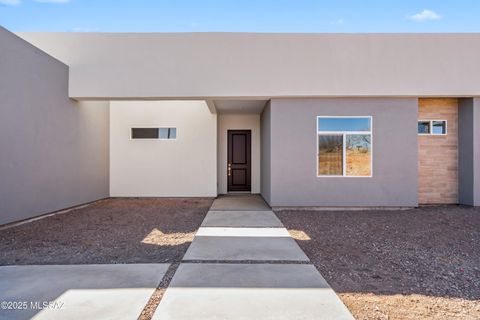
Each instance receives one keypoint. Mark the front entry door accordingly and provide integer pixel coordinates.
(239, 160)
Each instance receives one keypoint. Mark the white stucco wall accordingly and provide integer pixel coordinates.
(238, 122)
(163, 168)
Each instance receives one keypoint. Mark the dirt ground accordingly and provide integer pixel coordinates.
(130, 230)
(421, 263)
(147, 230)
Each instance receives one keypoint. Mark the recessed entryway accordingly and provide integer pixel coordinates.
(238, 122)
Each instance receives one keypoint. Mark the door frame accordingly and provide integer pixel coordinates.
(248, 187)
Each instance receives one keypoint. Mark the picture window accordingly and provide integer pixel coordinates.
(344, 146)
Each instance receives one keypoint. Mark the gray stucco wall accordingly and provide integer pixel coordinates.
(265, 153)
(469, 151)
(152, 65)
(294, 181)
(54, 151)
(476, 154)
(466, 151)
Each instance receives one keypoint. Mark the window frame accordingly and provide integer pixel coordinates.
(431, 127)
(344, 148)
(152, 127)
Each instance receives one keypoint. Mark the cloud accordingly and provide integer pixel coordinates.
(425, 15)
(9, 2)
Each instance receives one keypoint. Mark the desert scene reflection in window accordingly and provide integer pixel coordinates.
(358, 155)
(330, 155)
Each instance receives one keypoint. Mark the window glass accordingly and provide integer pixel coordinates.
(144, 133)
(439, 127)
(173, 133)
(330, 155)
(424, 127)
(154, 133)
(344, 124)
(432, 127)
(344, 146)
(358, 154)
(168, 133)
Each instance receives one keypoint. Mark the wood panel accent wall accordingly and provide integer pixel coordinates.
(438, 155)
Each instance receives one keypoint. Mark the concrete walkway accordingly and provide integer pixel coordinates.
(243, 264)
(118, 291)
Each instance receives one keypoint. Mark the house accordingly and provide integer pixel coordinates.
(309, 120)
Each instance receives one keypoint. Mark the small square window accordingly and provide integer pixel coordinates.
(439, 127)
(424, 127)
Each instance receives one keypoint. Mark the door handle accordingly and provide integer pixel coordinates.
(229, 169)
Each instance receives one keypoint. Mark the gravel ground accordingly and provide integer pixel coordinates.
(421, 263)
(147, 230)
(131, 230)
(154, 301)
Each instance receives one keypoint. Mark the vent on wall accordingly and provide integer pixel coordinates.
(154, 133)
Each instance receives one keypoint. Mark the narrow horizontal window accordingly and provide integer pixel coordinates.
(432, 127)
(154, 133)
(344, 146)
(338, 124)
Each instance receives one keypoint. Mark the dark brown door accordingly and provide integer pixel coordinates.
(239, 160)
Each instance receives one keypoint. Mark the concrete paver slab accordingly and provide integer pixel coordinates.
(241, 202)
(118, 291)
(241, 232)
(242, 219)
(237, 248)
(249, 291)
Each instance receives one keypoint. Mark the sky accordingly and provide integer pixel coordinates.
(241, 15)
